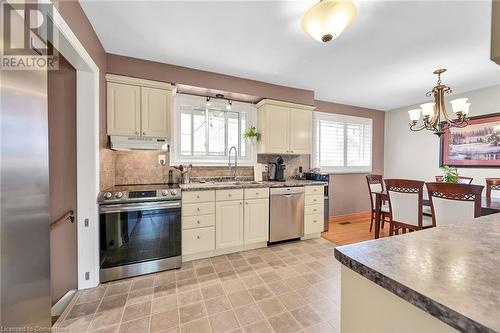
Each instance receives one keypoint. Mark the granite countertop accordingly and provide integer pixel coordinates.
(451, 272)
(247, 184)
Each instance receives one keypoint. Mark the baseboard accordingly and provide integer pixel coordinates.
(311, 236)
(218, 252)
(58, 308)
(349, 217)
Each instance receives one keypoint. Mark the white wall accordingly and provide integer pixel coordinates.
(415, 155)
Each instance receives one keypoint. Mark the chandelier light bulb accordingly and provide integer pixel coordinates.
(459, 105)
(466, 109)
(327, 19)
(427, 109)
(414, 114)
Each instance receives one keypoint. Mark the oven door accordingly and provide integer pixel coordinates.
(135, 233)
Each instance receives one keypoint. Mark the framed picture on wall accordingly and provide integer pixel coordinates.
(476, 145)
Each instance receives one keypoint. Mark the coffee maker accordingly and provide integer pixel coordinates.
(271, 171)
(280, 169)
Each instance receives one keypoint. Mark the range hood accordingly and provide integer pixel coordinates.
(138, 143)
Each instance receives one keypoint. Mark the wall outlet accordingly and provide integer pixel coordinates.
(264, 168)
(162, 160)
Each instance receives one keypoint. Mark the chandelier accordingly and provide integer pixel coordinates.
(327, 19)
(435, 116)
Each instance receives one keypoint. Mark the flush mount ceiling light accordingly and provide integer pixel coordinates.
(327, 19)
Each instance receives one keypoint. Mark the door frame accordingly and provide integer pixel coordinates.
(87, 147)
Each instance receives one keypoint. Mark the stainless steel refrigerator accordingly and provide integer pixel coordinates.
(24, 200)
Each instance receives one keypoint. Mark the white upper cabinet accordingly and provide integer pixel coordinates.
(285, 127)
(300, 131)
(278, 122)
(124, 109)
(137, 107)
(156, 112)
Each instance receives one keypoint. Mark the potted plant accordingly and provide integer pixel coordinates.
(251, 134)
(450, 174)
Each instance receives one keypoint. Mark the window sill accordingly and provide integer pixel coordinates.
(212, 164)
(343, 172)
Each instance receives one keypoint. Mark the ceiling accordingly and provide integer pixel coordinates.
(383, 61)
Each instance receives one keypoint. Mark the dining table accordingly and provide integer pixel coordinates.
(489, 206)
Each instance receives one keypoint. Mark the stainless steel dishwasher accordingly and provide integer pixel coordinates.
(286, 213)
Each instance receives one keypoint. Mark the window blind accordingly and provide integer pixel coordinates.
(342, 143)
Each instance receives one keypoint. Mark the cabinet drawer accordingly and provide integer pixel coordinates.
(198, 240)
(313, 223)
(200, 221)
(198, 209)
(314, 199)
(314, 209)
(227, 195)
(197, 196)
(313, 190)
(257, 193)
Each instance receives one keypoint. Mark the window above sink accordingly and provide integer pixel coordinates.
(204, 134)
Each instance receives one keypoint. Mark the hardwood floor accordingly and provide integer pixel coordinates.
(353, 228)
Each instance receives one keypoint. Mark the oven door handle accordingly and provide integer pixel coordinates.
(118, 208)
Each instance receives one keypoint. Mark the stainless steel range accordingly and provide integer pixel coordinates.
(140, 230)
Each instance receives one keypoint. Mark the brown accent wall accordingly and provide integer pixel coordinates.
(61, 93)
(76, 19)
(349, 192)
(151, 70)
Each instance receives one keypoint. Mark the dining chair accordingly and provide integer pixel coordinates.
(452, 203)
(492, 184)
(376, 184)
(405, 204)
(460, 179)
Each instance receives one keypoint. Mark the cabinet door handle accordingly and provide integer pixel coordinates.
(198, 209)
(246, 203)
(198, 222)
(241, 203)
(229, 195)
(197, 197)
(314, 221)
(136, 133)
(143, 133)
(198, 237)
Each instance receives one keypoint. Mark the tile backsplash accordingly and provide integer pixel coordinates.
(292, 162)
(141, 167)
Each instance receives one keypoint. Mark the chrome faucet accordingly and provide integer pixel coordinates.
(235, 159)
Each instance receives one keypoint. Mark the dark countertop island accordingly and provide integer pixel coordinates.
(450, 272)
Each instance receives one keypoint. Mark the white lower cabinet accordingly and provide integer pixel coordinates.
(313, 223)
(313, 211)
(256, 221)
(224, 221)
(198, 240)
(228, 224)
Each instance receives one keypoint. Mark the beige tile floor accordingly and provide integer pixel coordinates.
(293, 287)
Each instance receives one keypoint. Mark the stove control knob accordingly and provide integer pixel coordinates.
(107, 195)
(173, 192)
(164, 193)
(118, 195)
